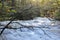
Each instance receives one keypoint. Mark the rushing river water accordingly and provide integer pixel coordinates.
(44, 29)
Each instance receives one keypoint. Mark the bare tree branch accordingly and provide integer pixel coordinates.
(45, 33)
(14, 19)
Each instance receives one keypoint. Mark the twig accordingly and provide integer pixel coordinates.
(45, 33)
(14, 19)
(6, 26)
(22, 27)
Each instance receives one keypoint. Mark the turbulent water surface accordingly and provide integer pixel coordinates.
(44, 29)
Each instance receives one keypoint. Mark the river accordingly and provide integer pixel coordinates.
(43, 29)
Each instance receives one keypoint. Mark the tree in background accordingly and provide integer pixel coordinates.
(12, 8)
(45, 8)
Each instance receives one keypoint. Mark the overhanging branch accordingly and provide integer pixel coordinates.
(14, 19)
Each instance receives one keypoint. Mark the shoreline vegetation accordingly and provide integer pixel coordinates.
(25, 10)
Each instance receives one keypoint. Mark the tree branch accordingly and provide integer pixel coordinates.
(14, 19)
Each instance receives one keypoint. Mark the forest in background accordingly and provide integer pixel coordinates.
(28, 9)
